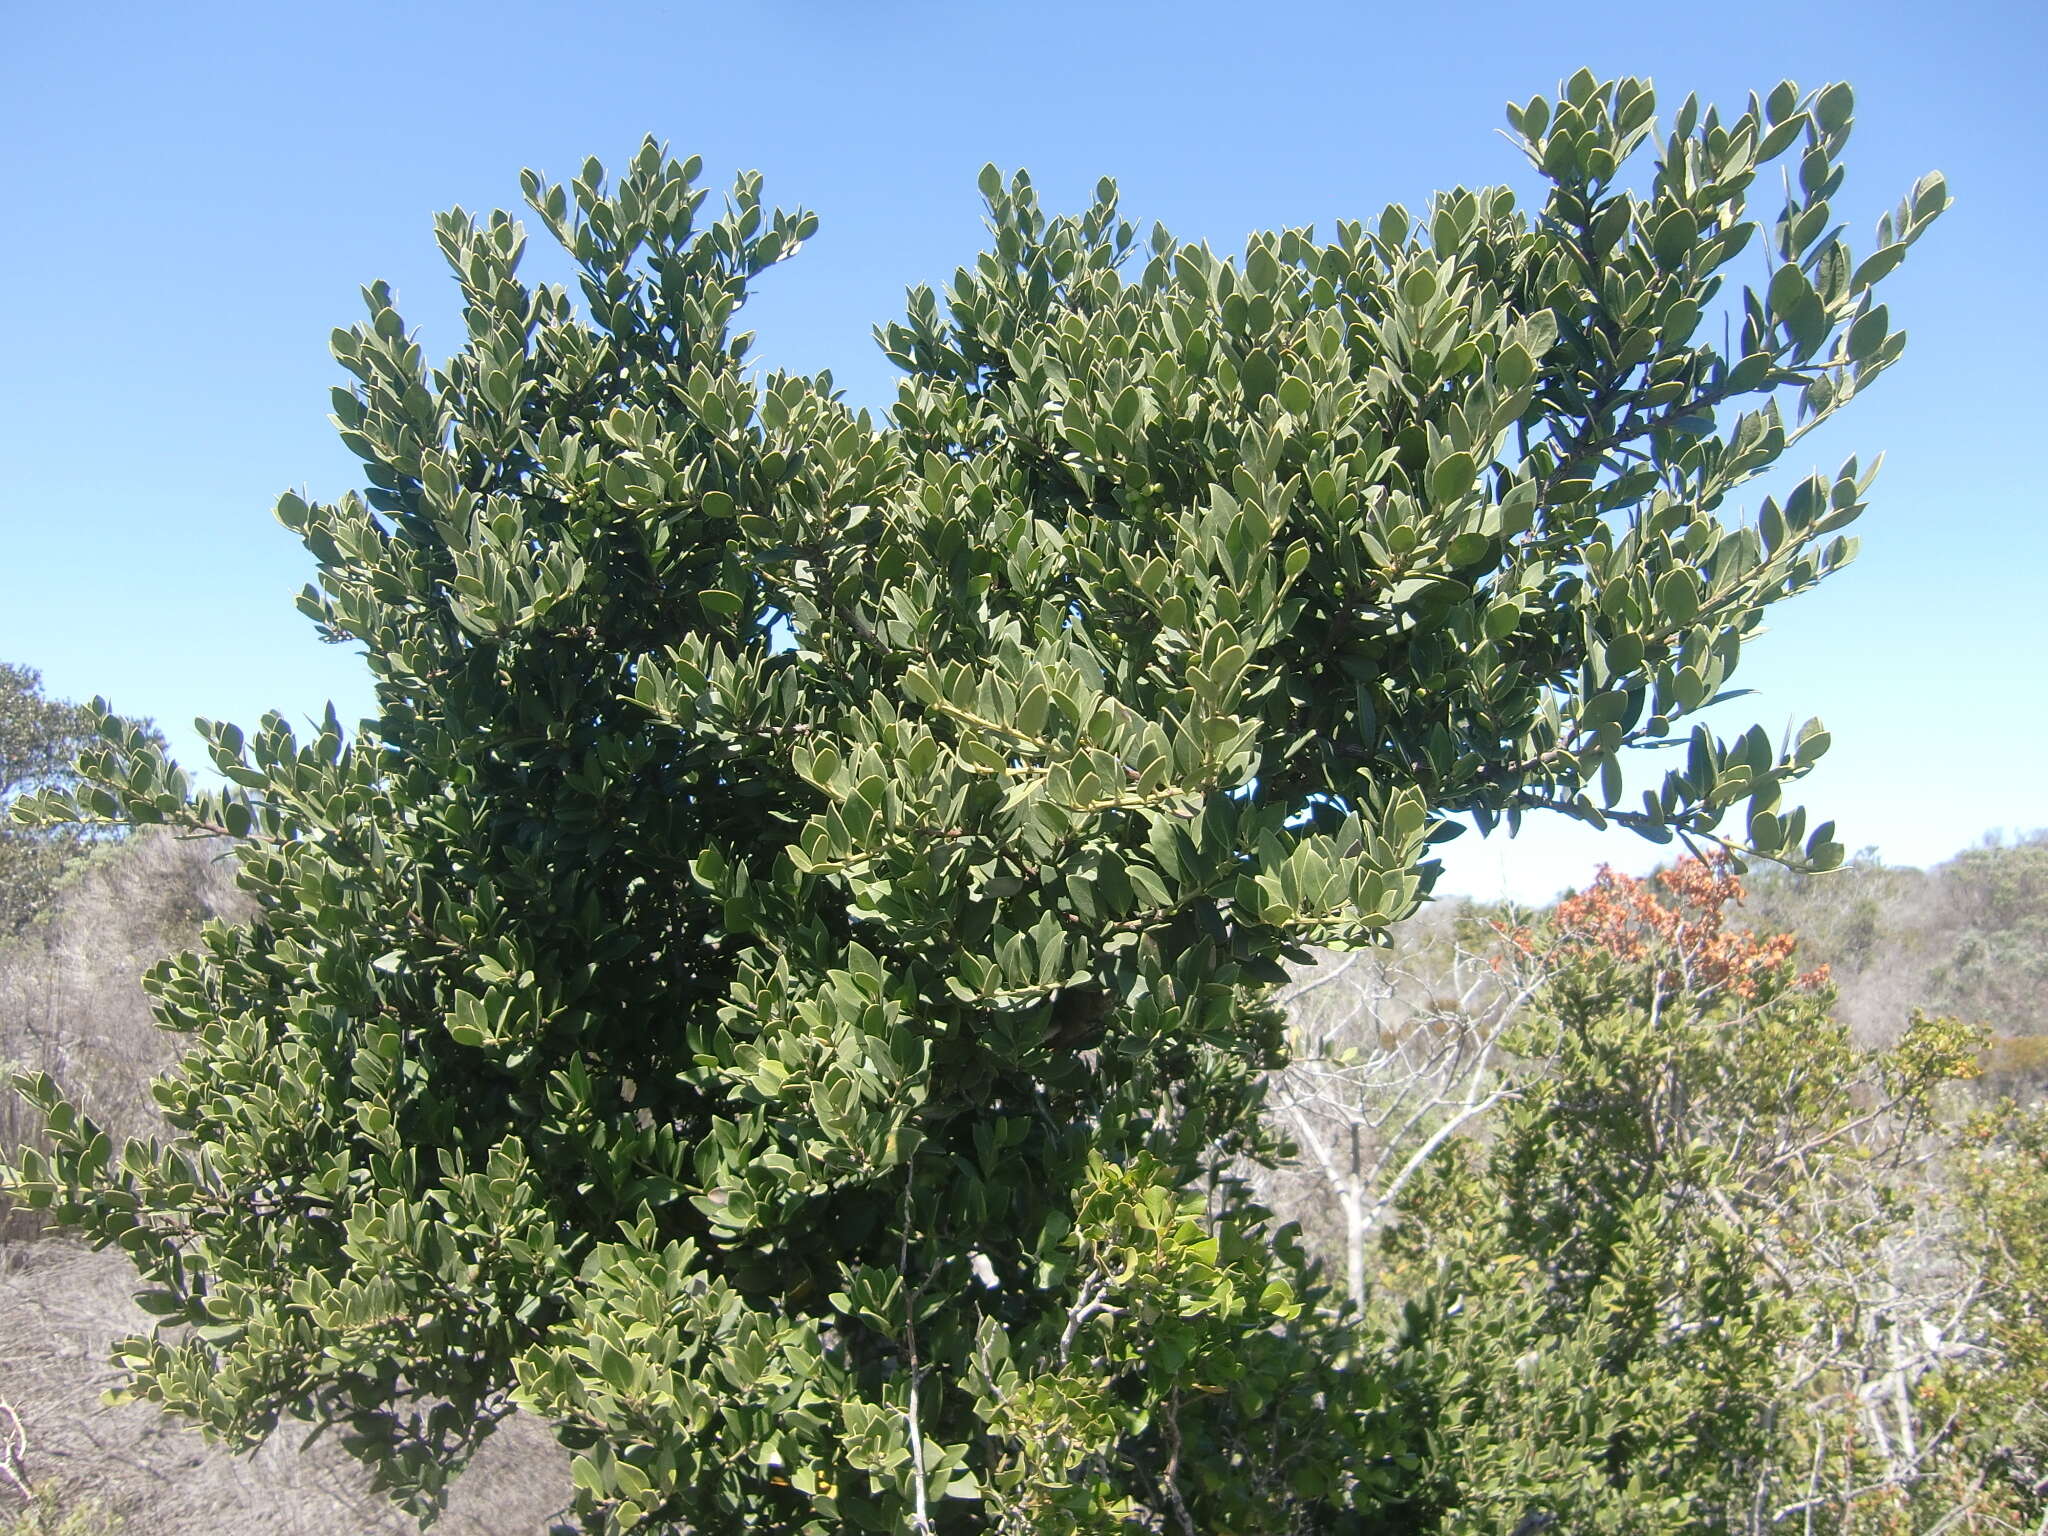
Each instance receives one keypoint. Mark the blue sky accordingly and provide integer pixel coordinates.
(198, 191)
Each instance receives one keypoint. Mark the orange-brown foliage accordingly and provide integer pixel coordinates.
(1678, 920)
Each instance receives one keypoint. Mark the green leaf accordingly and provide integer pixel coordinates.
(1868, 334)
(1835, 107)
(1678, 596)
(1451, 479)
(1676, 235)
(1514, 367)
(1789, 290)
(1468, 549)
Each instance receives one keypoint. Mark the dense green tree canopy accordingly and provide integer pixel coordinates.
(776, 982)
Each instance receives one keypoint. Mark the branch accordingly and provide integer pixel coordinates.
(1437, 1138)
(14, 1453)
(1169, 1478)
(1089, 1306)
(921, 1517)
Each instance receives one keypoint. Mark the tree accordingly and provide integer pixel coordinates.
(40, 738)
(1698, 1273)
(762, 988)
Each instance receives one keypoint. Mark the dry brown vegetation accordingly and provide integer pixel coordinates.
(62, 1306)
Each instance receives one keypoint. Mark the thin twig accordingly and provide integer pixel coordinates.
(14, 1453)
(1171, 1477)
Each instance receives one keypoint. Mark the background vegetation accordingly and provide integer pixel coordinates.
(1505, 1263)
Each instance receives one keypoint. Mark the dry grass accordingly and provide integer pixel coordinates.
(70, 1002)
(61, 1308)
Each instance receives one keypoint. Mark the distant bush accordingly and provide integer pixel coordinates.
(2016, 1066)
(1658, 1289)
(1997, 961)
(1968, 937)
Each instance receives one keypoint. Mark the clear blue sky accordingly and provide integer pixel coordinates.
(197, 191)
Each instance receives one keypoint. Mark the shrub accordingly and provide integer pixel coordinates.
(806, 908)
(1683, 1283)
